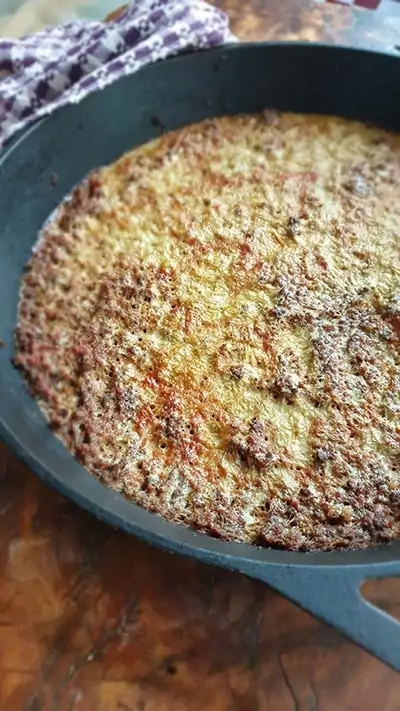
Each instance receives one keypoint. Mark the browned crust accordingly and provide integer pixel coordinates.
(168, 442)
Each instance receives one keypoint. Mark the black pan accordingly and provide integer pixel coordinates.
(238, 78)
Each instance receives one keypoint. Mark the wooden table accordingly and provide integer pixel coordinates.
(93, 620)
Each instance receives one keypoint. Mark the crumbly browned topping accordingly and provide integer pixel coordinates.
(212, 326)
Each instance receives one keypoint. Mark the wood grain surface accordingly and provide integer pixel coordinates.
(93, 620)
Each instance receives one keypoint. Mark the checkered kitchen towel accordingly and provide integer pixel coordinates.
(60, 65)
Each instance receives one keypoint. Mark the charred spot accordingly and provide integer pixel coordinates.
(173, 427)
(285, 388)
(363, 256)
(287, 381)
(335, 514)
(56, 423)
(257, 425)
(385, 333)
(381, 140)
(251, 445)
(278, 311)
(383, 535)
(150, 482)
(355, 487)
(305, 493)
(392, 313)
(127, 400)
(65, 220)
(94, 186)
(357, 184)
(292, 505)
(270, 116)
(293, 227)
(237, 372)
(81, 201)
(264, 275)
(375, 523)
(322, 455)
(394, 497)
(379, 522)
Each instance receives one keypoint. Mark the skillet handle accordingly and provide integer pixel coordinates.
(332, 593)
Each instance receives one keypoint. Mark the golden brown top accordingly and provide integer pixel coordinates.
(212, 325)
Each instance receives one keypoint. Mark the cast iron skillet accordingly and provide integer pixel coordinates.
(238, 78)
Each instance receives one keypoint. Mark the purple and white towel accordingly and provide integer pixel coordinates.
(61, 65)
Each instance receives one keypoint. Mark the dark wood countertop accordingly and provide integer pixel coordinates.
(93, 620)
